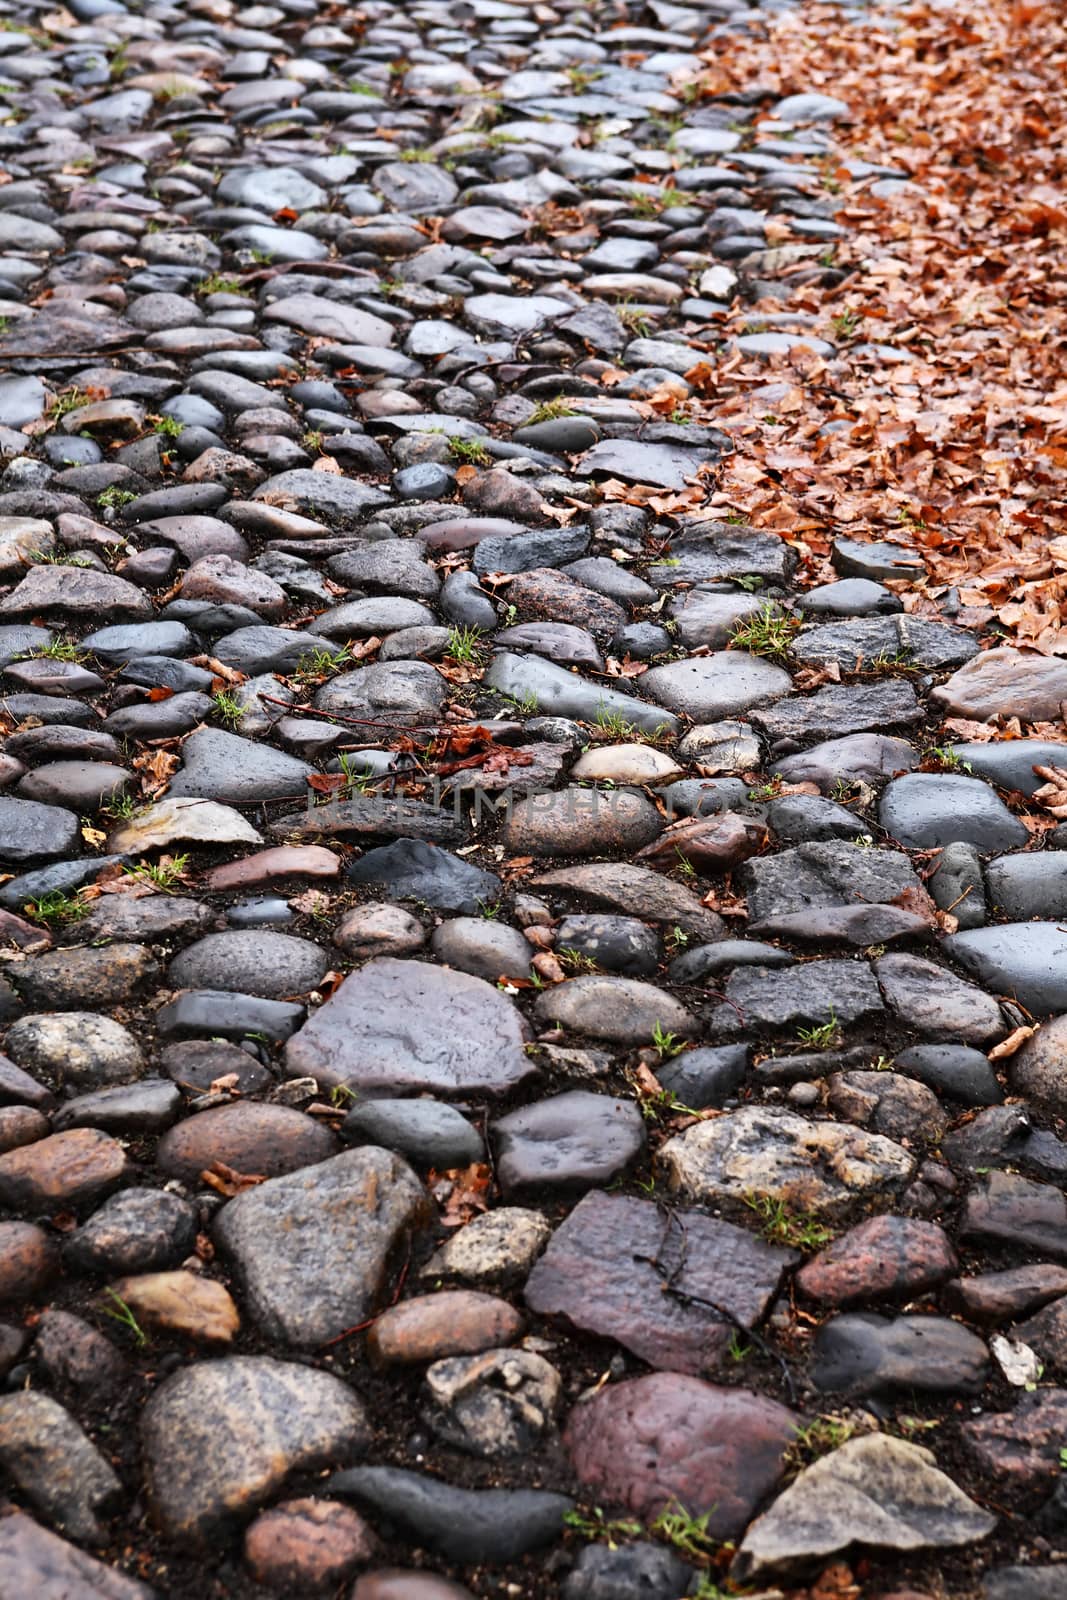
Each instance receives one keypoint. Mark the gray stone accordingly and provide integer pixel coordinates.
(411, 869)
(708, 688)
(222, 766)
(619, 1009)
(861, 1354)
(311, 1248)
(1024, 960)
(79, 1049)
(280, 1418)
(482, 946)
(34, 1561)
(815, 992)
(30, 831)
(404, 1027)
(936, 1002)
(499, 1403)
(926, 808)
(427, 1133)
(877, 1491)
(570, 1140)
(840, 709)
(55, 1465)
(274, 965)
(471, 1526)
(557, 692)
(826, 874)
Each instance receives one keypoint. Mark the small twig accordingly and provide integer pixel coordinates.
(669, 1277)
(360, 1327)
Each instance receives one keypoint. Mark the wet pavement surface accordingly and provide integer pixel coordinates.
(533, 1058)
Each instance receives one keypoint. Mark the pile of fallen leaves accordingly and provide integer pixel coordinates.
(955, 443)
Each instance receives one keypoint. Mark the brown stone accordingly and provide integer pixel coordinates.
(21, 1125)
(28, 1260)
(58, 1469)
(393, 1584)
(268, 866)
(73, 1352)
(576, 821)
(648, 1442)
(307, 1545)
(34, 1562)
(181, 1302)
(1020, 1449)
(452, 1322)
(66, 1169)
(598, 1273)
(1007, 682)
(499, 493)
(884, 1257)
(1003, 1296)
(254, 1139)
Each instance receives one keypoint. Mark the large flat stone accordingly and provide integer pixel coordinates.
(404, 1027)
(1026, 961)
(599, 1273)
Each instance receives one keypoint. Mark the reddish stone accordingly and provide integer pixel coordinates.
(1017, 1211)
(393, 1584)
(66, 1169)
(1003, 1296)
(28, 1260)
(72, 1352)
(254, 1139)
(307, 1545)
(545, 593)
(598, 1273)
(645, 1443)
(1020, 1449)
(21, 1125)
(453, 1322)
(884, 1257)
(267, 866)
(24, 935)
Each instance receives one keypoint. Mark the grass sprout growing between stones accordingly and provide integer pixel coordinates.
(228, 708)
(464, 643)
(167, 427)
(685, 1533)
(58, 558)
(779, 1225)
(767, 633)
(946, 758)
(317, 663)
(59, 650)
(117, 1309)
(163, 874)
(575, 960)
(56, 909)
(123, 806)
(820, 1436)
(821, 1035)
(67, 400)
(216, 283)
(471, 451)
(114, 498)
(668, 1044)
(594, 1525)
(549, 410)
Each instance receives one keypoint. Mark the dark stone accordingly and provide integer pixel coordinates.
(569, 1140)
(411, 869)
(465, 1525)
(953, 1069)
(428, 1133)
(862, 1354)
(938, 808)
(139, 1230)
